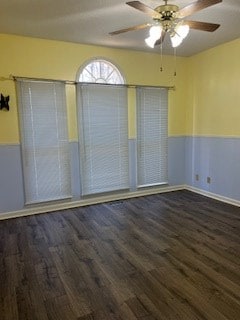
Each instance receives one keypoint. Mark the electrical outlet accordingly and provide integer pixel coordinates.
(197, 177)
(208, 180)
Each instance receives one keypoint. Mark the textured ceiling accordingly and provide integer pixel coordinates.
(90, 21)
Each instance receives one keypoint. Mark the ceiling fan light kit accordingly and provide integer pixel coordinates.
(179, 33)
(168, 19)
(150, 42)
(155, 33)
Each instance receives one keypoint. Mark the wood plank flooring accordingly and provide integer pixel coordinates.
(169, 257)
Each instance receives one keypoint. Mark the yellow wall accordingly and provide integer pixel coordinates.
(30, 57)
(205, 102)
(213, 104)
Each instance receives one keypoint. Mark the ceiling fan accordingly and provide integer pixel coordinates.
(169, 19)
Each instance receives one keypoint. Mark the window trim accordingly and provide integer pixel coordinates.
(100, 58)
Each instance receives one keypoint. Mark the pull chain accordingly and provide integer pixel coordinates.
(161, 68)
(175, 62)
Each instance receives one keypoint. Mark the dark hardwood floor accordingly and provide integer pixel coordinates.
(169, 256)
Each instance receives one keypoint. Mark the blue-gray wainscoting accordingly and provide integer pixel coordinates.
(11, 180)
(217, 158)
(176, 161)
(11, 177)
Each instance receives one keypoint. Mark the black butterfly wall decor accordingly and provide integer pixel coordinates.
(4, 102)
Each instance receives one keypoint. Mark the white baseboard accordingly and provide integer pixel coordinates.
(86, 202)
(112, 197)
(213, 195)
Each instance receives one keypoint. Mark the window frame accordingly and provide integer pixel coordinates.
(101, 59)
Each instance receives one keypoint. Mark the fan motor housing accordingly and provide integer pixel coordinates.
(167, 12)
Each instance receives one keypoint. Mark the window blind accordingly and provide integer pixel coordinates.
(44, 140)
(103, 137)
(152, 136)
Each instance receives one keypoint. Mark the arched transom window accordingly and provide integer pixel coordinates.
(101, 71)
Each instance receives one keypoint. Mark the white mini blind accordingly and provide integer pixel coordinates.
(44, 140)
(152, 136)
(103, 136)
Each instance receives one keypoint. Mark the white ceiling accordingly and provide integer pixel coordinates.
(90, 21)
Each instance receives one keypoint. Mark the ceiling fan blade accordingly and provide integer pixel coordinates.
(140, 26)
(204, 26)
(196, 6)
(161, 39)
(142, 7)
